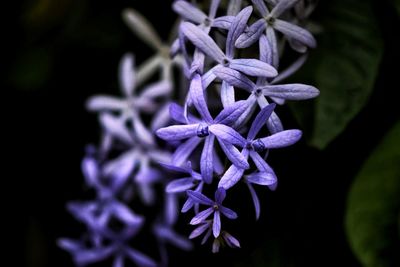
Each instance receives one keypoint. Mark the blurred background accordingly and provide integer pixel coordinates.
(338, 199)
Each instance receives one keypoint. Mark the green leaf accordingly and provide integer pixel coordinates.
(373, 206)
(344, 66)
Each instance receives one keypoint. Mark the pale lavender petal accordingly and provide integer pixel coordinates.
(281, 139)
(201, 216)
(229, 115)
(227, 94)
(218, 166)
(100, 102)
(228, 213)
(159, 89)
(213, 8)
(220, 195)
(260, 120)
(262, 178)
(174, 169)
(279, 101)
(197, 96)
(158, 155)
(169, 235)
(90, 170)
(295, 32)
(189, 12)
(216, 224)
(142, 28)
(200, 198)
(230, 240)
(274, 124)
(253, 67)
(202, 41)
(177, 132)
(234, 155)
(199, 230)
(237, 27)
(227, 134)
(189, 203)
(118, 261)
(161, 118)
(69, 244)
(175, 47)
(246, 115)
(290, 70)
(206, 236)
(265, 50)
(262, 166)
(233, 174)
(140, 259)
(180, 185)
(234, 7)
(261, 7)
(297, 46)
(171, 209)
(121, 168)
(234, 78)
(148, 68)
(125, 214)
(216, 245)
(84, 257)
(183, 152)
(292, 91)
(281, 7)
(116, 127)
(206, 162)
(127, 74)
(251, 35)
(223, 22)
(256, 201)
(197, 65)
(177, 114)
(141, 132)
(208, 78)
(272, 40)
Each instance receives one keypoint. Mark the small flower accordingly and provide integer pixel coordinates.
(207, 128)
(269, 23)
(215, 208)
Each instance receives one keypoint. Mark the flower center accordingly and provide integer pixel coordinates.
(225, 62)
(202, 130)
(270, 20)
(215, 207)
(207, 22)
(258, 146)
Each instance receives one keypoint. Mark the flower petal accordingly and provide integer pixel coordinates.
(201, 216)
(281, 7)
(223, 22)
(281, 139)
(237, 27)
(202, 41)
(262, 178)
(256, 201)
(206, 162)
(230, 240)
(273, 42)
(102, 102)
(228, 213)
(234, 78)
(233, 174)
(253, 67)
(159, 89)
(294, 91)
(216, 224)
(260, 120)
(261, 7)
(139, 258)
(227, 134)
(199, 230)
(295, 66)
(234, 155)
(116, 127)
(227, 94)
(229, 115)
(142, 28)
(179, 185)
(274, 124)
(252, 34)
(177, 132)
(183, 152)
(197, 95)
(295, 32)
(262, 166)
(199, 198)
(127, 74)
(189, 12)
(220, 195)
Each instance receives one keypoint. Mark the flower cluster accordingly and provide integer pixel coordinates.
(213, 47)
(230, 59)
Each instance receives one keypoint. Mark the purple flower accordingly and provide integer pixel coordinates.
(228, 239)
(207, 129)
(269, 23)
(252, 147)
(215, 208)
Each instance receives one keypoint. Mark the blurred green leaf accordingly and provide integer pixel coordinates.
(344, 66)
(374, 206)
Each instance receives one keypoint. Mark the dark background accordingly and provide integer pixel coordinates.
(59, 54)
